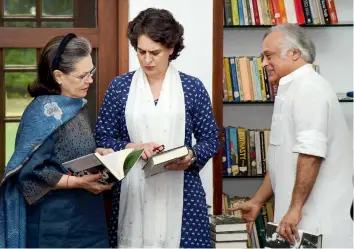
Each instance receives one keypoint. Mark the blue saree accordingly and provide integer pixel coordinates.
(42, 117)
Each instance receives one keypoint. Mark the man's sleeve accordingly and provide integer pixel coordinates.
(310, 113)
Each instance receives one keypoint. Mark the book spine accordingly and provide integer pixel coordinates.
(252, 153)
(235, 17)
(236, 94)
(227, 12)
(257, 140)
(282, 10)
(307, 11)
(314, 12)
(263, 156)
(325, 12)
(249, 12)
(261, 78)
(300, 16)
(228, 151)
(238, 74)
(290, 11)
(267, 86)
(276, 9)
(240, 12)
(224, 153)
(271, 12)
(233, 150)
(332, 11)
(256, 13)
(242, 151)
(245, 12)
(230, 95)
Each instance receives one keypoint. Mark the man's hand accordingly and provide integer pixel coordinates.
(250, 210)
(287, 227)
(181, 164)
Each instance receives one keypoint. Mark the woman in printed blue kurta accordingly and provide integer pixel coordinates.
(112, 129)
(111, 132)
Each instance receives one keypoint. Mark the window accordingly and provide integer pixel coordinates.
(27, 25)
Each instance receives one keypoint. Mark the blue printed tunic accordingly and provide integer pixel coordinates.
(111, 132)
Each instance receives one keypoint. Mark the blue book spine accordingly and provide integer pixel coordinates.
(234, 151)
(224, 155)
(228, 154)
(234, 79)
(240, 12)
(258, 83)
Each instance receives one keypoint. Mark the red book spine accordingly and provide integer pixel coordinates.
(256, 13)
(332, 11)
(300, 17)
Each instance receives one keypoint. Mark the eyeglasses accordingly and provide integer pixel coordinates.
(87, 76)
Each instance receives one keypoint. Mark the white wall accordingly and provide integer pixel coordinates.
(334, 55)
(196, 16)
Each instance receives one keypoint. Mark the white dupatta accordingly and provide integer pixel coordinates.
(150, 209)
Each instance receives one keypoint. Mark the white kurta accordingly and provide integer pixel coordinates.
(308, 119)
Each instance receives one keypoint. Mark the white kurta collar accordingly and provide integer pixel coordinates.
(300, 71)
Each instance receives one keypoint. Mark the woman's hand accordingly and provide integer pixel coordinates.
(181, 164)
(88, 182)
(104, 151)
(147, 147)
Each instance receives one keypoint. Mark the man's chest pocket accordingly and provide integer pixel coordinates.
(276, 130)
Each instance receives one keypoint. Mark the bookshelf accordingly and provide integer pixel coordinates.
(333, 55)
(304, 25)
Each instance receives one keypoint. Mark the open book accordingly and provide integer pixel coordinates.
(114, 166)
(307, 240)
(156, 163)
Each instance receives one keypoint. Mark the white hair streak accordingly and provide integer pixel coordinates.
(295, 37)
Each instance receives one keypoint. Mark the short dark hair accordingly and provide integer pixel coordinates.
(45, 84)
(160, 26)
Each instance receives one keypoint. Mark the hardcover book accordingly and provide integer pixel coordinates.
(114, 166)
(156, 163)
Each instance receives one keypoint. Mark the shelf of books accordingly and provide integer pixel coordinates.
(246, 129)
(265, 13)
(244, 152)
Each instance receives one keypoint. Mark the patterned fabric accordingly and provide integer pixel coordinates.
(111, 132)
(46, 227)
(48, 113)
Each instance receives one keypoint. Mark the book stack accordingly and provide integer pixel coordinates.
(228, 231)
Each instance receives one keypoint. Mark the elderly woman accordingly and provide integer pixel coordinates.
(42, 206)
(158, 105)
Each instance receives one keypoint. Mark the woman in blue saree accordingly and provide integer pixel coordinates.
(40, 204)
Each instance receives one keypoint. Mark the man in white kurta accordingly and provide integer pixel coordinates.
(310, 155)
(307, 119)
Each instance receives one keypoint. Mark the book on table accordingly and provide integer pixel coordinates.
(114, 166)
(156, 164)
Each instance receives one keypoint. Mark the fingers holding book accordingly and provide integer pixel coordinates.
(181, 164)
(149, 149)
(90, 183)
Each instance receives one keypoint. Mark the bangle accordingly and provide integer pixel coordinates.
(67, 182)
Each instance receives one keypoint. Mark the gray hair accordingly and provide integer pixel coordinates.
(295, 37)
(77, 49)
